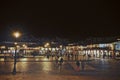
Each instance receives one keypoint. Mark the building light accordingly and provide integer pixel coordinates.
(2, 47)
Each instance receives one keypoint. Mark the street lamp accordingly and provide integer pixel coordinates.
(16, 35)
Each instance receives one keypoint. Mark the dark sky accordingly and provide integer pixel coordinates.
(73, 20)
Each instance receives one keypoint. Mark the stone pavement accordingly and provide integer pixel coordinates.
(37, 76)
(86, 67)
(36, 73)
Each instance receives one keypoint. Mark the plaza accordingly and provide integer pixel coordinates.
(42, 68)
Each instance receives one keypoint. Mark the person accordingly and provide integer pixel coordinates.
(104, 55)
(89, 56)
(56, 60)
(78, 65)
(48, 56)
(68, 56)
(61, 61)
(5, 58)
(82, 65)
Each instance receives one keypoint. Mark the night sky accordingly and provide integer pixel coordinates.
(72, 20)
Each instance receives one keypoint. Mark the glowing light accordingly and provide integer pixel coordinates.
(18, 46)
(24, 59)
(2, 47)
(16, 34)
(53, 49)
(60, 46)
(37, 59)
(47, 44)
(25, 46)
(50, 49)
(15, 43)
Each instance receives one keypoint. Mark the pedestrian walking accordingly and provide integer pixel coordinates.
(60, 63)
(61, 60)
(78, 65)
(56, 61)
(48, 56)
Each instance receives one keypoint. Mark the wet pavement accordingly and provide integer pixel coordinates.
(41, 68)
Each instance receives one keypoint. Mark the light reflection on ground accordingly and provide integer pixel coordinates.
(47, 66)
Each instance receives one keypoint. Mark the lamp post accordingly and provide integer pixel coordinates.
(16, 35)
